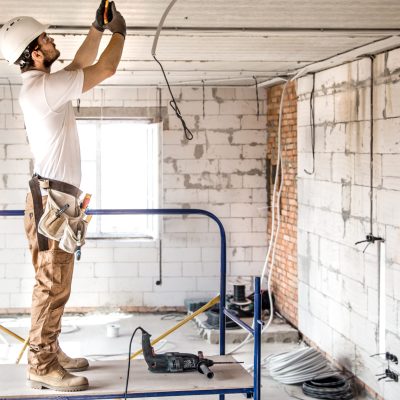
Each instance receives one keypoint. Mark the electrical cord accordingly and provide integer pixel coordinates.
(160, 25)
(172, 103)
(129, 360)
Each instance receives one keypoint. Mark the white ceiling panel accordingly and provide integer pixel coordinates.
(219, 13)
(219, 41)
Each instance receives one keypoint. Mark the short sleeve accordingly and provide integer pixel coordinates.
(63, 86)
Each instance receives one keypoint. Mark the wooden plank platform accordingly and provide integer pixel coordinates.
(107, 381)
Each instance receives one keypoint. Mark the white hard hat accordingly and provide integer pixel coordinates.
(16, 34)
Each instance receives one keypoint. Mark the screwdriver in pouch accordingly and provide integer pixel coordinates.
(79, 245)
(61, 210)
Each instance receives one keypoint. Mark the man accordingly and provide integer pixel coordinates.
(45, 100)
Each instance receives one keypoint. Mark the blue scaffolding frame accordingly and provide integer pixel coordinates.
(223, 311)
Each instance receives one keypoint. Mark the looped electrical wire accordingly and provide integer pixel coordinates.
(172, 103)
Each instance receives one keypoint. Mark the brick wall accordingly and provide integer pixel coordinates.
(338, 282)
(220, 170)
(284, 283)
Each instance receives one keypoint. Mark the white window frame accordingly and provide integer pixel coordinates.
(154, 182)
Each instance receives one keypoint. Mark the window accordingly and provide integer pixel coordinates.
(120, 168)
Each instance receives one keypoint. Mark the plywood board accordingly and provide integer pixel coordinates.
(108, 379)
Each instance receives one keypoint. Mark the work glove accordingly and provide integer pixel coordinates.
(117, 21)
(98, 23)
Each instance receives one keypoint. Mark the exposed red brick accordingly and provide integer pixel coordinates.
(284, 279)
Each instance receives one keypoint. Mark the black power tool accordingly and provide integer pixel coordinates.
(176, 362)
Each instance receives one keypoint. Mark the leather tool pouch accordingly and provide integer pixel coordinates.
(62, 220)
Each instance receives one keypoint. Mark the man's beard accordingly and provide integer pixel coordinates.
(48, 61)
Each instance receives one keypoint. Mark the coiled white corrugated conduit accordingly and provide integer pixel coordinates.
(298, 366)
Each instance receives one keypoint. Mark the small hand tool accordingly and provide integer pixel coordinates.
(61, 210)
(106, 13)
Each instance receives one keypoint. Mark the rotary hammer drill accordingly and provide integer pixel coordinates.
(174, 361)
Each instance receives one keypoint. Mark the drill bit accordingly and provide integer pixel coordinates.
(228, 362)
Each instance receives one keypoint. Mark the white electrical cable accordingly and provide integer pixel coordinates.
(160, 25)
(274, 235)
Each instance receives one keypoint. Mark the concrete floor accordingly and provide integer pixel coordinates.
(87, 336)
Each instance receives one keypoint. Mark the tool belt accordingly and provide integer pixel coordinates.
(62, 218)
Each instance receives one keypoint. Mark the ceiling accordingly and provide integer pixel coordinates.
(222, 42)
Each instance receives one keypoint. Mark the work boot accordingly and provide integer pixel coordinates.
(58, 379)
(72, 364)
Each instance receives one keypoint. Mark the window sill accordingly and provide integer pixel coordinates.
(122, 238)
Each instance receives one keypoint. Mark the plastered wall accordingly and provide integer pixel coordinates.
(338, 282)
(220, 170)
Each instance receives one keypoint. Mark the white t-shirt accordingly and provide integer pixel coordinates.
(50, 122)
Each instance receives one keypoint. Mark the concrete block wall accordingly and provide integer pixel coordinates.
(220, 170)
(338, 282)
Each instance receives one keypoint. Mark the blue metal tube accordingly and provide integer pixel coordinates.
(257, 339)
(172, 211)
(76, 396)
(222, 311)
(11, 213)
(234, 318)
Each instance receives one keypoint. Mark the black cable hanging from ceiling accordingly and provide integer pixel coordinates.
(258, 103)
(371, 149)
(312, 125)
(172, 103)
(159, 281)
(371, 238)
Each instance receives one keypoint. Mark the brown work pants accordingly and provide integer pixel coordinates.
(53, 275)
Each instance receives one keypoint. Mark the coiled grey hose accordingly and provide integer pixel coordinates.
(298, 366)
